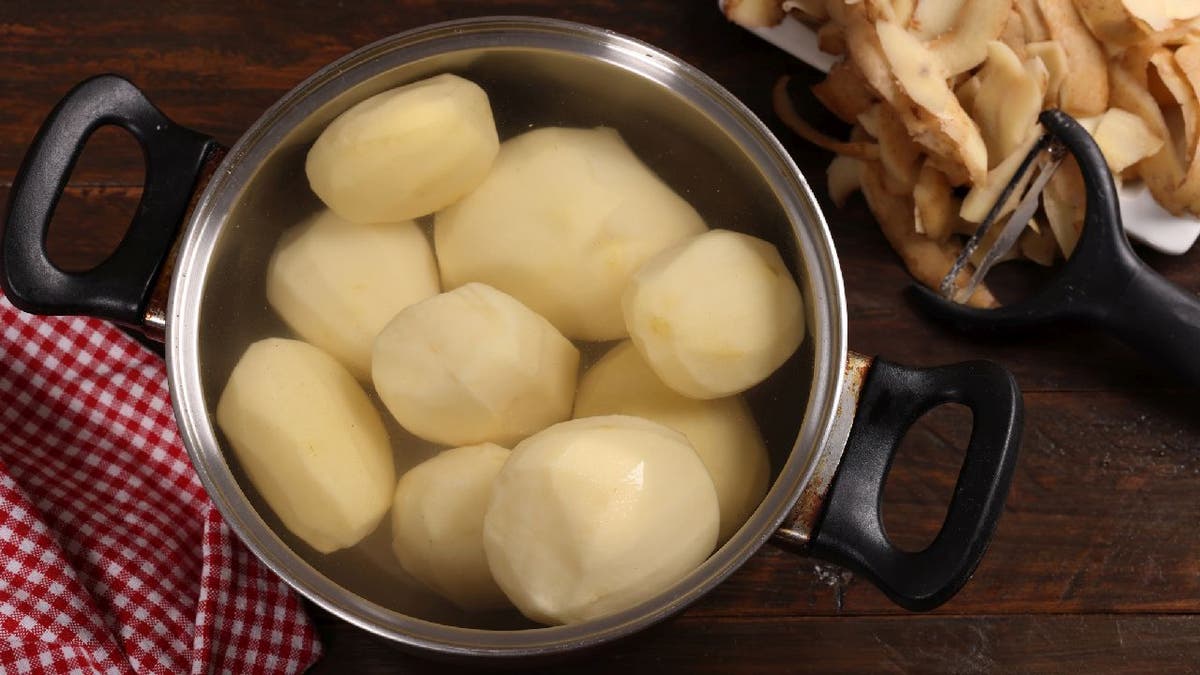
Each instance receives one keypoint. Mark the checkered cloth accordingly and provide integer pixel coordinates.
(112, 557)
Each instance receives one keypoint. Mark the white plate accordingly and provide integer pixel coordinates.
(1144, 219)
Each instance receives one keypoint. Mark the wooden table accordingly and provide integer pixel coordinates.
(1096, 562)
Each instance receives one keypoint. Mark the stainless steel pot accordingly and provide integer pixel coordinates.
(832, 420)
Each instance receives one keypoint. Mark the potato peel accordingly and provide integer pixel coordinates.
(931, 18)
(986, 193)
(1008, 101)
(1125, 139)
(1038, 244)
(1163, 170)
(1031, 18)
(867, 53)
(808, 11)
(831, 39)
(934, 208)
(845, 92)
(754, 13)
(843, 178)
(1064, 201)
(1188, 60)
(945, 94)
(1013, 35)
(938, 121)
(1085, 93)
(1054, 59)
(978, 23)
(786, 109)
(899, 154)
(927, 261)
(1111, 21)
(1159, 15)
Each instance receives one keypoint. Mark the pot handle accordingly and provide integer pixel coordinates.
(120, 287)
(851, 531)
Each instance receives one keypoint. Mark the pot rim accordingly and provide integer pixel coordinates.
(826, 296)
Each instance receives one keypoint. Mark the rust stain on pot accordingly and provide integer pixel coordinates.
(154, 318)
(857, 367)
(803, 519)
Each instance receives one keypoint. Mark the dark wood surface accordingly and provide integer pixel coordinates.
(1095, 566)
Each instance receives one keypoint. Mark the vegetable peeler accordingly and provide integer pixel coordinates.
(1103, 283)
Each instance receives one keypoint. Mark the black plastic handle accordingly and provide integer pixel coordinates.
(851, 531)
(120, 287)
(1104, 283)
(1160, 320)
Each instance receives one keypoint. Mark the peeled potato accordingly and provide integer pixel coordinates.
(715, 315)
(437, 524)
(595, 515)
(721, 430)
(474, 365)
(337, 283)
(309, 440)
(406, 152)
(561, 223)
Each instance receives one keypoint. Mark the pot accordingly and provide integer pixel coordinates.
(191, 272)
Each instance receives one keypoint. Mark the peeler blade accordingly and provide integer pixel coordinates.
(1044, 158)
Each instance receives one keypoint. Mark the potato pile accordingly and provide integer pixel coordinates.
(620, 480)
(943, 97)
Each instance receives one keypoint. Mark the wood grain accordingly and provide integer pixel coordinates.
(217, 66)
(977, 644)
(1096, 562)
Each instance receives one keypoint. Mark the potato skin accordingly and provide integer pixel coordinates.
(310, 441)
(406, 152)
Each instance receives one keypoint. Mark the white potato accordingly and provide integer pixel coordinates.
(474, 365)
(595, 515)
(337, 283)
(310, 441)
(715, 315)
(406, 152)
(722, 430)
(437, 524)
(561, 223)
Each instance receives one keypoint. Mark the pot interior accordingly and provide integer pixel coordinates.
(663, 115)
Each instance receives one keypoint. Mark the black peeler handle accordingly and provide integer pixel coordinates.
(1104, 283)
(1135, 303)
(1160, 320)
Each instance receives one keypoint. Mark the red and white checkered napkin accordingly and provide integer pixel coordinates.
(112, 557)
